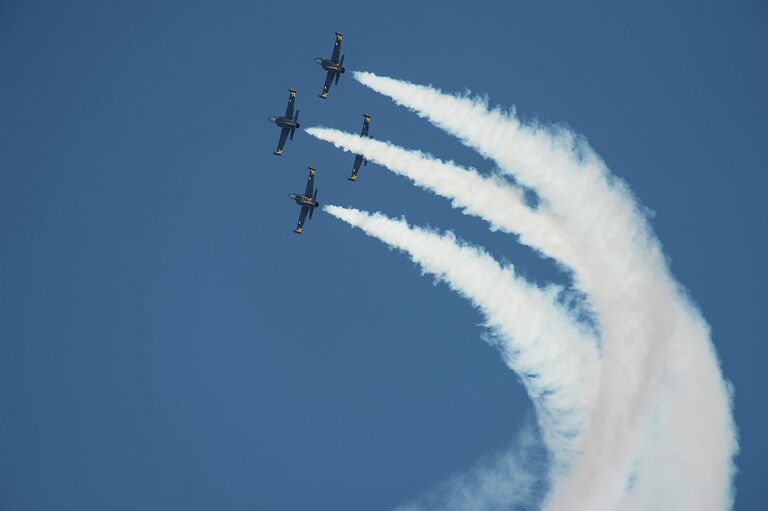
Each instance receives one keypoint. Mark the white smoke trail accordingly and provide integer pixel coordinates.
(490, 198)
(555, 357)
(661, 434)
(504, 481)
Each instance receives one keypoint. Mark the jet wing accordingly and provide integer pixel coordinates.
(291, 101)
(302, 217)
(366, 123)
(310, 183)
(280, 143)
(336, 49)
(356, 167)
(328, 81)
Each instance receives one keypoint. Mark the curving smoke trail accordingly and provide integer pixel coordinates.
(657, 432)
(555, 357)
(493, 198)
(506, 480)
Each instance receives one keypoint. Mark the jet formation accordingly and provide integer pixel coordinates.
(289, 122)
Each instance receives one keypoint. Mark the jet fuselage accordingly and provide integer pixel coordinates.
(330, 65)
(284, 122)
(303, 200)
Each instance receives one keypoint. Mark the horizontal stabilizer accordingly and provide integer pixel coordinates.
(314, 201)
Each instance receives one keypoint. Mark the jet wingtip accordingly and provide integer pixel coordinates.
(297, 231)
(352, 178)
(278, 153)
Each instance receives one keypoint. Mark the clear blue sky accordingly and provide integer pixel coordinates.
(166, 342)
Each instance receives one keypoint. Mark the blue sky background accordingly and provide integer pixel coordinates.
(166, 342)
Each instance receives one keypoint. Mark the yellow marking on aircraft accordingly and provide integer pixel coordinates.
(293, 93)
(279, 151)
